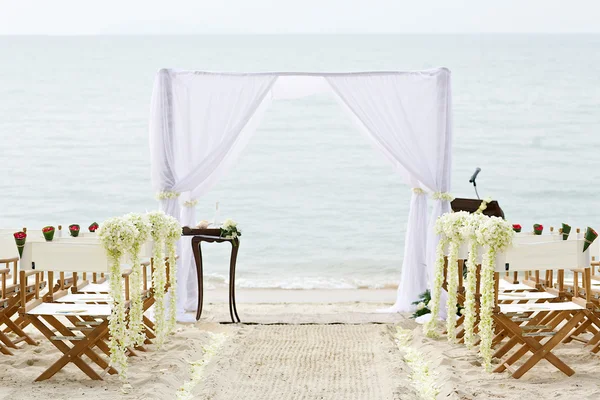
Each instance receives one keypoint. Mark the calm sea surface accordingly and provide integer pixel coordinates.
(318, 206)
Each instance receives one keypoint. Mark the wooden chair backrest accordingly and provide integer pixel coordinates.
(65, 256)
(553, 255)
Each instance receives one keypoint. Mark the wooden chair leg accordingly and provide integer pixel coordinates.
(4, 350)
(55, 323)
(540, 351)
(71, 354)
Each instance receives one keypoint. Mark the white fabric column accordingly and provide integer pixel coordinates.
(406, 116)
(187, 277)
(412, 281)
(199, 125)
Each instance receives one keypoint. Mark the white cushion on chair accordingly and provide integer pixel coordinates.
(526, 296)
(85, 298)
(100, 310)
(521, 308)
(103, 287)
(508, 287)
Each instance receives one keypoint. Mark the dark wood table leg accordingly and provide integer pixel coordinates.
(198, 258)
(235, 244)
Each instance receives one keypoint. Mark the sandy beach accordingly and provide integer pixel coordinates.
(296, 350)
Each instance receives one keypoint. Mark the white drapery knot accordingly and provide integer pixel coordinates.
(165, 194)
(442, 196)
(418, 191)
(190, 203)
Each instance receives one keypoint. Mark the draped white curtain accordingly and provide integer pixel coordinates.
(405, 115)
(200, 123)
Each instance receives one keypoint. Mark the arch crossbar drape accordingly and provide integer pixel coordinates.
(201, 121)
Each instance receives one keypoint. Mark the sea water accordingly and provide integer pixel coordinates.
(318, 206)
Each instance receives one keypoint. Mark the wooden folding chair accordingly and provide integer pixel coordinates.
(540, 327)
(76, 329)
(12, 333)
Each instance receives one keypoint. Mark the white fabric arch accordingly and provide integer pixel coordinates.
(201, 121)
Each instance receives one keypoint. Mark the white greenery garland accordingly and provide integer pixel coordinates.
(496, 235)
(453, 226)
(173, 234)
(117, 235)
(452, 282)
(158, 221)
(470, 311)
(430, 328)
(137, 335)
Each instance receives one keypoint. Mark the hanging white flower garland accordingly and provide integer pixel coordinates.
(158, 222)
(117, 235)
(137, 334)
(430, 328)
(453, 226)
(471, 281)
(173, 234)
(496, 235)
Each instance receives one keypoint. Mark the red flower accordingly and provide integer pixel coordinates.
(48, 229)
(20, 235)
(74, 227)
(539, 228)
(516, 226)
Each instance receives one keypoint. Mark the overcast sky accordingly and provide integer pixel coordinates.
(299, 16)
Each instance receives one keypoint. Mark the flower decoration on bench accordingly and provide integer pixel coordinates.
(492, 234)
(517, 228)
(20, 238)
(74, 230)
(48, 232)
(538, 229)
(450, 227)
(93, 227)
(589, 237)
(566, 230)
(117, 236)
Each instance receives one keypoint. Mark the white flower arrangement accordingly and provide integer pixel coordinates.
(230, 230)
(190, 203)
(442, 196)
(422, 376)
(137, 334)
(117, 235)
(159, 231)
(167, 195)
(451, 228)
(483, 205)
(173, 234)
(496, 235)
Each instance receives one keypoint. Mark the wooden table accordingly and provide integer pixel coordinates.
(213, 236)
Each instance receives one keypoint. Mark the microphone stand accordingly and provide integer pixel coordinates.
(475, 186)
